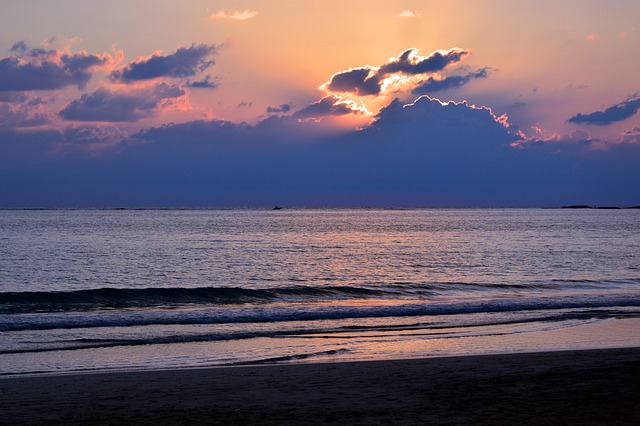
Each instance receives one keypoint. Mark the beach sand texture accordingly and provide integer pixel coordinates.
(574, 387)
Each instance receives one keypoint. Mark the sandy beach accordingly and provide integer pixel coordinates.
(572, 387)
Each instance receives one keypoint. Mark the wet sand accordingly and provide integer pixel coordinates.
(573, 387)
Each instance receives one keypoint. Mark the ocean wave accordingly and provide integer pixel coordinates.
(125, 298)
(121, 298)
(305, 312)
(549, 320)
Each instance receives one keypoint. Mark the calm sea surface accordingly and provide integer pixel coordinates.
(129, 289)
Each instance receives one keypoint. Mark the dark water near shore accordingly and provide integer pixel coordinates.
(111, 289)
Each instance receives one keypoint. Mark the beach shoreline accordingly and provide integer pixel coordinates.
(587, 387)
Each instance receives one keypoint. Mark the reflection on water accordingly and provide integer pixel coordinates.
(82, 249)
(335, 347)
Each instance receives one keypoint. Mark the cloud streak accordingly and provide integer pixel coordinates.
(184, 62)
(618, 112)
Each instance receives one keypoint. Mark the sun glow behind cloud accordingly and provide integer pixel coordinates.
(409, 68)
(236, 15)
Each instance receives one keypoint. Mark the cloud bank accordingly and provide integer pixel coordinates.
(427, 152)
(61, 148)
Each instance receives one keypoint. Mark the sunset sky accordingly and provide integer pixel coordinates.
(249, 103)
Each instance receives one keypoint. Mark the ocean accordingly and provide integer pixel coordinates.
(129, 289)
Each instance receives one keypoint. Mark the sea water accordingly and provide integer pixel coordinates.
(117, 289)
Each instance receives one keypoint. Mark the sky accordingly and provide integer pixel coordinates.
(319, 103)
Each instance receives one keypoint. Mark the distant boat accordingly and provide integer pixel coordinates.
(277, 208)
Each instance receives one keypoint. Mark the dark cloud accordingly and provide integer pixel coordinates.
(279, 109)
(618, 112)
(432, 84)
(444, 127)
(206, 83)
(409, 62)
(184, 62)
(40, 69)
(362, 81)
(106, 106)
(331, 105)
(245, 104)
(367, 80)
